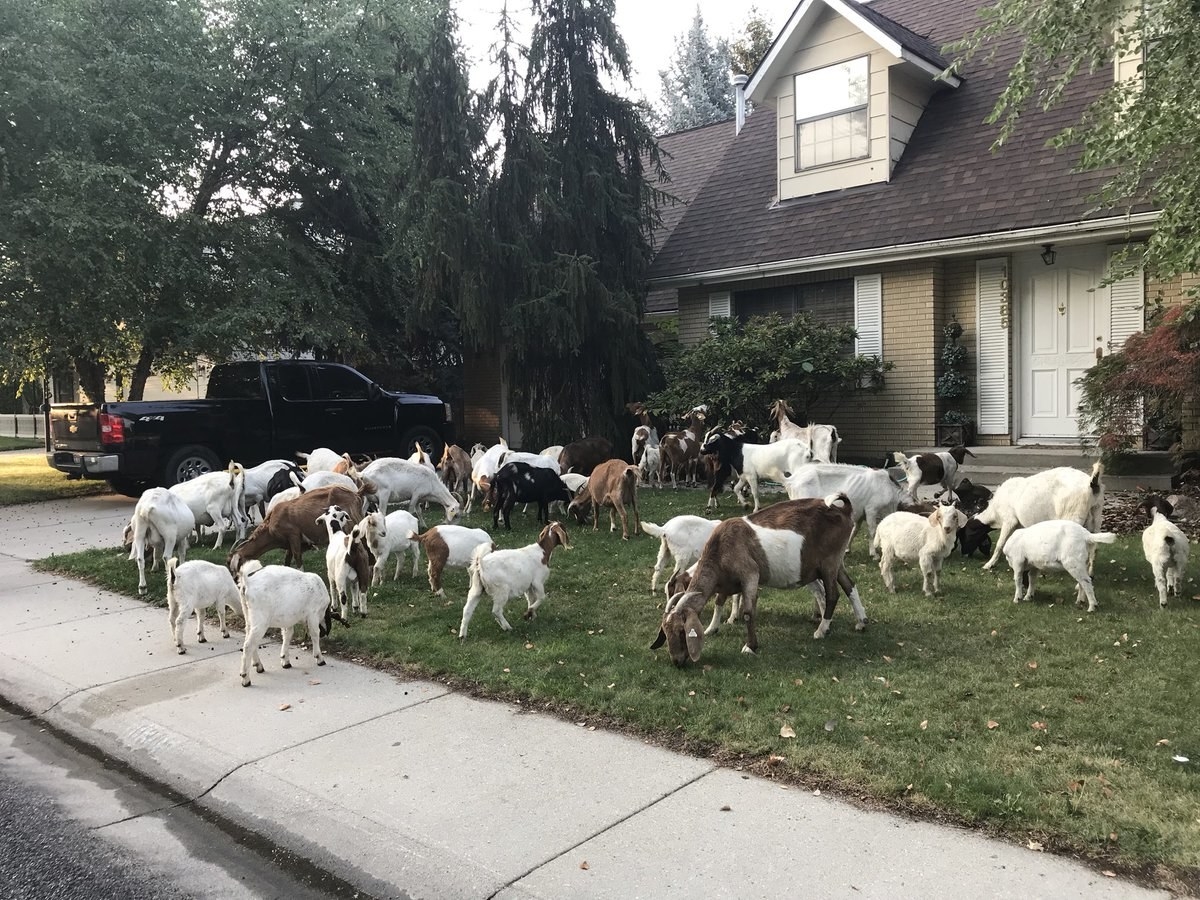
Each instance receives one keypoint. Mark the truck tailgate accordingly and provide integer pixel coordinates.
(74, 426)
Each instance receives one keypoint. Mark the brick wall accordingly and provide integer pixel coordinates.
(479, 419)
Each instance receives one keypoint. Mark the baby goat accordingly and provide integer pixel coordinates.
(1165, 546)
(192, 587)
(1055, 545)
(681, 539)
(504, 574)
(926, 540)
(789, 544)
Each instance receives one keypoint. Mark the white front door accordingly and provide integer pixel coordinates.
(1063, 319)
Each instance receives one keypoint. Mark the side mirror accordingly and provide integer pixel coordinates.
(374, 392)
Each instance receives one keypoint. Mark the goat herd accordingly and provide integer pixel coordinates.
(1048, 521)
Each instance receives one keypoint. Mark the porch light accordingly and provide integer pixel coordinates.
(1048, 254)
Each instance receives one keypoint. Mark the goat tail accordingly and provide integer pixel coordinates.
(839, 499)
(651, 529)
(899, 458)
(172, 603)
(475, 568)
(1097, 471)
(1103, 537)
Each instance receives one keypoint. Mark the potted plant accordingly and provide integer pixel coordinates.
(955, 427)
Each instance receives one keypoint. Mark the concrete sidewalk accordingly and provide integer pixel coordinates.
(408, 789)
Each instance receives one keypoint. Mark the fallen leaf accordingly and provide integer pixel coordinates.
(830, 725)
(506, 669)
(1180, 759)
(314, 681)
(787, 732)
(887, 659)
(994, 632)
(798, 682)
(1162, 742)
(835, 678)
(992, 723)
(924, 724)
(691, 693)
(1032, 664)
(726, 808)
(584, 865)
(529, 646)
(1113, 836)
(613, 685)
(1038, 726)
(1036, 846)
(1109, 873)
(1075, 786)
(283, 706)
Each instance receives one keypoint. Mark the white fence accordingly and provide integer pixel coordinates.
(29, 426)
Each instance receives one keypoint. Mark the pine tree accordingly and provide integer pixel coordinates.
(696, 86)
(571, 210)
(748, 50)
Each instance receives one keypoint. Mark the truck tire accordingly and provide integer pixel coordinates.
(129, 487)
(188, 462)
(431, 442)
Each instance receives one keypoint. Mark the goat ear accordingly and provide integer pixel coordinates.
(660, 640)
(695, 635)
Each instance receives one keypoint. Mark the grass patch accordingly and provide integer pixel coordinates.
(20, 443)
(1035, 720)
(28, 479)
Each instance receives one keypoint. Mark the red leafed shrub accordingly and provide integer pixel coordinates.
(1143, 385)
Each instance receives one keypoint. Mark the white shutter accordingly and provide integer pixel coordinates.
(992, 344)
(720, 305)
(1127, 306)
(868, 315)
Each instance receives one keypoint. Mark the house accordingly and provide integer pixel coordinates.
(863, 189)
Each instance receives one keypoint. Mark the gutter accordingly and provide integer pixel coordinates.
(998, 242)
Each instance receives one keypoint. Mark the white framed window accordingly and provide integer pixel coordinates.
(831, 113)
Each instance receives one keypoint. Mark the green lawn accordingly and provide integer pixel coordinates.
(19, 443)
(1039, 720)
(27, 479)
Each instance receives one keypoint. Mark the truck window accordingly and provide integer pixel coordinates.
(340, 383)
(235, 382)
(291, 382)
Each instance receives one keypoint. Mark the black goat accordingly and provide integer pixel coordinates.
(722, 452)
(519, 482)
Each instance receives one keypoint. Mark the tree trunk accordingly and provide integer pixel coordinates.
(141, 371)
(91, 378)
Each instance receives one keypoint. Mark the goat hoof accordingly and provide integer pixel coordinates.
(746, 649)
(245, 681)
(258, 667)
(141, 592)
(320, 662)
(860, 626)
(202, 640)
(287, 664)
(182, 651)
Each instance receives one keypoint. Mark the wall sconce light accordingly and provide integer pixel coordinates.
(1048, 254)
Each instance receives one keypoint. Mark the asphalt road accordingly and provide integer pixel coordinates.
(74, 826)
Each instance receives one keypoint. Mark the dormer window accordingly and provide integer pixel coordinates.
(831, 114)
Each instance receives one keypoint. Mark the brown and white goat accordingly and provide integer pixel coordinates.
(823, 440)
(679, 451)
(939, 468)
(294, 525)
(455, 468)
(789, 544)
(613, 484)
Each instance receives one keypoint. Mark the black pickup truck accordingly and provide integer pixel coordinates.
(254, 411)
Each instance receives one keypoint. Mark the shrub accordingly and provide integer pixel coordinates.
(742, 367)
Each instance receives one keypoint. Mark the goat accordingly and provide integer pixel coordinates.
(402, 479)
(679, 451)
(349, 562)
(645, 435)
(612, 484)
(386, 536)
(215, 498)
(323, 460)
(483, 470)
(504, 574)
(1054, 545)
(281, 597)
(448, 546)
(519, 482)
(680, 539)
(925, 540)
(257, 483)
(722, 452)
(455, 468)
(932, 468)
(161, 524)
(281, 481)
(788, 544)
(872, 492)
(650, 467)
(823, 440)
(554, 451)
(537, 460)
(192, 587)
(1059, 493)
(420, 457)
(584, 455)
(776, 462)
(969, 497)
(1165, 547)
(293, 525)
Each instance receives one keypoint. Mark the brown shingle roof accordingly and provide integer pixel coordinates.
(948, 183)
(689, 158)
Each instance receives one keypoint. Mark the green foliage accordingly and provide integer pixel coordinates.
(748, 50)
(953, 383)
(1143, 133)
(696, 89)
(742, 367)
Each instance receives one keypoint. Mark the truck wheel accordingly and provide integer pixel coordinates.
(129, 487)
(431, 442)
(188, 462)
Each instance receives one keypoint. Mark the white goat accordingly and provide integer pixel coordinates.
(324, 478)
(280, 597)
(256, 481)
(336, 521)
(400, 480)
(925, 540)
(483, 470)
(1054, 545)
(534, 459)
(421, 457)
(386, 536)
(283, 497)
(1060, 493)
(1166, 549)
(192, 587)
(162, 523)
(775, 461)
(504, 574)
(215, 498)
(823, 440)
(347, 558)
(872, 492)
(552, 452)
(650, 466)
(321, 460)
(680, 539)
